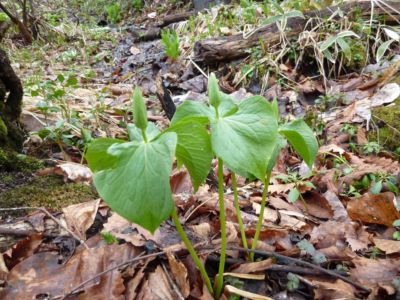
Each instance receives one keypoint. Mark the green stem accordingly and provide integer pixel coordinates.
(238, 213)
(261, 217)
(220, 278)
(191, 250)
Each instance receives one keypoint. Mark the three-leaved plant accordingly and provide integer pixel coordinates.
(133, 177)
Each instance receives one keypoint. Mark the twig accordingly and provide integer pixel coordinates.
(42, 209)
(130, 261)
(304, 263)
(172, 283)
(21, 232)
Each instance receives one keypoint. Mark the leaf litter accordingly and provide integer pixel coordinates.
(352, 233)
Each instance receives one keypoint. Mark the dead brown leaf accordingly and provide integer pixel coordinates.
(42, 274)
(180, 273)
(339, 211)
(74, 172)
(157, 287)
(253, 267)
(374, 209)
(80, 217)
(333, 290)
(388, 246)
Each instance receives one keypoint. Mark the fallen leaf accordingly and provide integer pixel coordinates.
(156, 287)
(339, 211)
(74, 172)
(80, 217)
(375, 271)
(247, 295)
(253, 267)
(385, 95)
(42, 274)
(374, 209)
(388, 246)
(22, 250)
(333, 290)
(180, 273)
(316, 205)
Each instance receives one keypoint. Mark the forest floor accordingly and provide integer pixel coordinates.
(338, 239)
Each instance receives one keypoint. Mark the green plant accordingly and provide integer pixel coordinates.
(137, 4)
(327, 102)
(113, 12)
(299, 181)
(109, 238)
(396, 234)
(306, 246)
(350, 129)
(371, 148)
(293, 282)
(133, 177)
(170, 41)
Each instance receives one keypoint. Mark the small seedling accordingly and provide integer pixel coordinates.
(113, 12)
(109, 238)
(170, 41)
(293, 282)
(371, 148)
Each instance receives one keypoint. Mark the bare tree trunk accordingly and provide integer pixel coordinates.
(26, 35)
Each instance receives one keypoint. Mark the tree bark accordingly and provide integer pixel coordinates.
(26, 35)
(11, 133)
(235, 46)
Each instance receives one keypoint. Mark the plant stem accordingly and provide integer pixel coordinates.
(238, 213)
(191, 250)
(220, 278)
(261, 217)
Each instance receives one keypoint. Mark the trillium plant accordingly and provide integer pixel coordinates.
(246, 137)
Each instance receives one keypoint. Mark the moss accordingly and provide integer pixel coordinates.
(12, 161)
(47, 191)
(3, 130)
(388, 131)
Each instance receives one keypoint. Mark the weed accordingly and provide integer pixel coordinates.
(113, 12)
(170, 41)
(371, 148)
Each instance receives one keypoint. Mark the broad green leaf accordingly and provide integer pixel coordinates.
(376, 188)
(275, 108)
(189, 109)
(382, 49)
(301, 137)
(139, 110)
(396, 223)
(193, 148)
(135, 134)
(137, 187)
(214, 94)
(227, 106)
(293, 195)
(246, 139)
(97, 156)
(392, 187)
(327, 43)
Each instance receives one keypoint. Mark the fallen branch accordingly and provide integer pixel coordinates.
(304, 263)
(236, 46)
(45, 211)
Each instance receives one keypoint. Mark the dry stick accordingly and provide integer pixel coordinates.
(304, 263)
(42, 209)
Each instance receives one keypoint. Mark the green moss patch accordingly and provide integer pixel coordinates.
(14, 162)
(387, 118)
(47, 191)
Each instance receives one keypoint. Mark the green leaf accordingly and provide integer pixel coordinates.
(214, 94)
(396, 235)
(97, 154)
(345, 48)
(396, 223)
(135, 134)
(293, 282)
(376, 188)
(246, 139)
(193, 148)
(306, 246)
(280, 144)
(319, 257)
(139, 110)
(301, 137)
(294, 194)
(189, 109)
(137, 187)
(382, 49)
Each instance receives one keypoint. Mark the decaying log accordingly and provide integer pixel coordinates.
(235, 46)
(170, 19)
